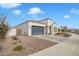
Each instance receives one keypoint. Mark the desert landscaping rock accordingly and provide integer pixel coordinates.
(31, 45)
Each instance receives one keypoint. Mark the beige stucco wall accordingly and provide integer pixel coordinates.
(24, 28)
(54, 25)
(11, 32)
(49, 23)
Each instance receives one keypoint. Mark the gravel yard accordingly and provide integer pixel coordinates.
(30, 44)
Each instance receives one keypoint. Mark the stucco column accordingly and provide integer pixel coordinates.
(29, 29)
(52, 29)
(44, 30)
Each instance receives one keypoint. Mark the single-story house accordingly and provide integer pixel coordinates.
(33, 27)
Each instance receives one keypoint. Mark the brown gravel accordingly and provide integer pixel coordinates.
(30, 44)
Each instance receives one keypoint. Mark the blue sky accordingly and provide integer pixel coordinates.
(64, 14)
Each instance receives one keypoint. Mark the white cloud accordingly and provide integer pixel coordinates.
(9, 5)
(75, 11)
(35, 10)
(66, 16)
(17, 12)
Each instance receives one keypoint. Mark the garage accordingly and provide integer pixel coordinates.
(37, 30)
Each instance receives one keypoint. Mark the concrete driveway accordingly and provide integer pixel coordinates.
(69, 47)
(54, 38)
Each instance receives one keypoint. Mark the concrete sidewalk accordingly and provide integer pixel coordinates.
(62, 49)
(69, 47)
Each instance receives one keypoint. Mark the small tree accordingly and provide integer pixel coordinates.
(64, 28)
(3, 27)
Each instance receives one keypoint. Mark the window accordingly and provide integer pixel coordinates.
(50, 29)
(18, 32)
(55, 29)
(46, 29)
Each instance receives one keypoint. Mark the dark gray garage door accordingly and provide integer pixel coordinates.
(37, 30)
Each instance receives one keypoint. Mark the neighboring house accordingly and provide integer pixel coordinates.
(33, 27)
(11, 32)
(73, 30)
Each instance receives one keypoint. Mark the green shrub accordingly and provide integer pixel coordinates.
(4, 27)
(18, 48)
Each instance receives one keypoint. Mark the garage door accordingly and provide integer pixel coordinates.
(37, 30)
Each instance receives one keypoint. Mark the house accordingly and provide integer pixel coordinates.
(33, 27)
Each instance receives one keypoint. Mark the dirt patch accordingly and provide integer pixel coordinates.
(30, 44)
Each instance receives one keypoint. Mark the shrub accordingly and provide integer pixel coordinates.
(1, 48)
(4, 27)
(14, 43)
(18, 48)
(63, 34)
(14, 37)
(67, 35)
